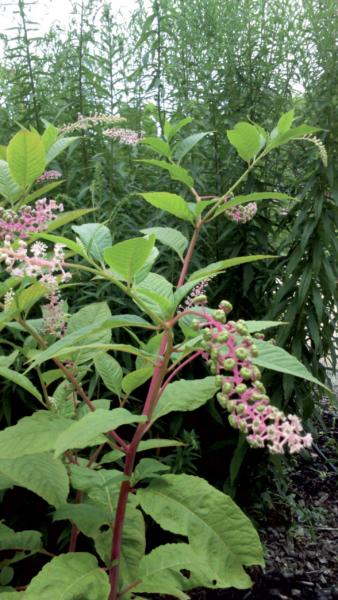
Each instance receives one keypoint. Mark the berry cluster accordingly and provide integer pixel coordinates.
(243, 213)
(229, 351)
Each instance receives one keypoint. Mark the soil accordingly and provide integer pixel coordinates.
(300, 531)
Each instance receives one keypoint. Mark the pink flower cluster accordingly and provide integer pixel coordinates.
(229, 351)
(28, 219)
(197, 295)
(243, 213)
(49, 176)
(125, 136)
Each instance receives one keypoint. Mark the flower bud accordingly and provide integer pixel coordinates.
(222, 337)
(201, 299)
(207, 333)
(219, 379)
(222, 400)
(254, 350)
(195, 324)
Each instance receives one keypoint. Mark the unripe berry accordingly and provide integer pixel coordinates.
(222, 400)
(207, 333)
(240, 408)
(241, 353)
(259, 385)
(219, 379)
(213, 369)
(254, 350)
(201, 299)
(256, 396)
(241, 329)
(245, 373)
(240, 388)
(219, 316)
(229, 364)
(259, 336)
(232, 421)
(214, 353)
(195, 324)
(222, 337)
(256, 374)
(227, 387)
(225, 306)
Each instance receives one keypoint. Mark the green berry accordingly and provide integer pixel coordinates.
(254, 350)
(225, 306)
(240, 388)
(245, 373)
(229, 364)
(201, 299)
(207, 333)
(219, 316)
(223, 337)
(219, 379)
(222, 400)
(227, 387)
(241, 353)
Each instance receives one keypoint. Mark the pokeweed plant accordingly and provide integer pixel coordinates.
(47, 452)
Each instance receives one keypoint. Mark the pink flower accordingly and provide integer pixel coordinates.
(49, 176)
(125, 136)
(243, 213)
(28, 219)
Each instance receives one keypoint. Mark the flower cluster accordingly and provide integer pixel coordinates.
(49, 176)
(197, 295)
(229, 351)
(28, 219)
(241, 213)
(89, 121)
(125, 136)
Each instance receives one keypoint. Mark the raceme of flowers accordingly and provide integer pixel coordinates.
(243, 213)
(28, 219)
(49, 176)
(125, 136)
(84, 122)
(229, 350)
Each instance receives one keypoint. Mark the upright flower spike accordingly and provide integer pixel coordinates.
(229, 350)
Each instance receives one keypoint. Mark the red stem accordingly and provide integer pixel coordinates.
(178, 369)
(188, 255)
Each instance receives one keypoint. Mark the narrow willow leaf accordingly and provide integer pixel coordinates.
(222, 265)
(170, 237)
(246, 139)
(110, 372)
(95, 238)
(212, 525)
(19, 540)
(70, 576)
(20, 380)
(26, 157)
(170, 129)
(158, 145)
(185, 395)
(40, 473)
(182, 148)
(170, 203)
(136, 378)
(128, 257)
(31, 435)
(59, 146)
(176, 173)
(277, 359)
(84, 432)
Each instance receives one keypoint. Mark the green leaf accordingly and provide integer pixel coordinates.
(170, 129)
(68, 217)
(255, 326)
(255, 197)
(176, 173)
(88, 518)
(110, 372)
(283, 124)
(171, 203)
(26, 157)
(157, 293)
(42, 191)
(161, 570)
(277, 359)
(19, 540)
(222, 265)
(148, 467)
(59, 146)
(182, 148)
(185, 395)
(41, 473)
(218, 532)
(32, 435)
(49, 136)
(95, 238)
(158, 145)
(142, 447)
(8, 187)
(59, 239)
(292, 134)
(170, 237)
(3, 152)
(136, 378)
(84, 432)
(128, 257)
(246, 139)
(20, 380)
(94, 313)
(70, 576)
(7, 361)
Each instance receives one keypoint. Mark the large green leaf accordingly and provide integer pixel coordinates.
(136, 378)
(255, 326)
(19, 540)
(182, 148)
(176, 173)
(43, 474)
(170, 203)
(246, 139)
(49, 136)
(68, 217)
(87, 517)
(295, 133)
(277, 359)
(59, 146)
(31, 435)
(157, 293)
(92, 313)
(170, 237)
(84, 432)
(95, 238)
(21, 380)
(185, 395)
(222, 265)
(218, 532)
(158, 145)
(283, 124)
(128, 257)
(26, 157)
(170, 129)
(110, 371)
(8, 187)
(70, 576)
(142, 447)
